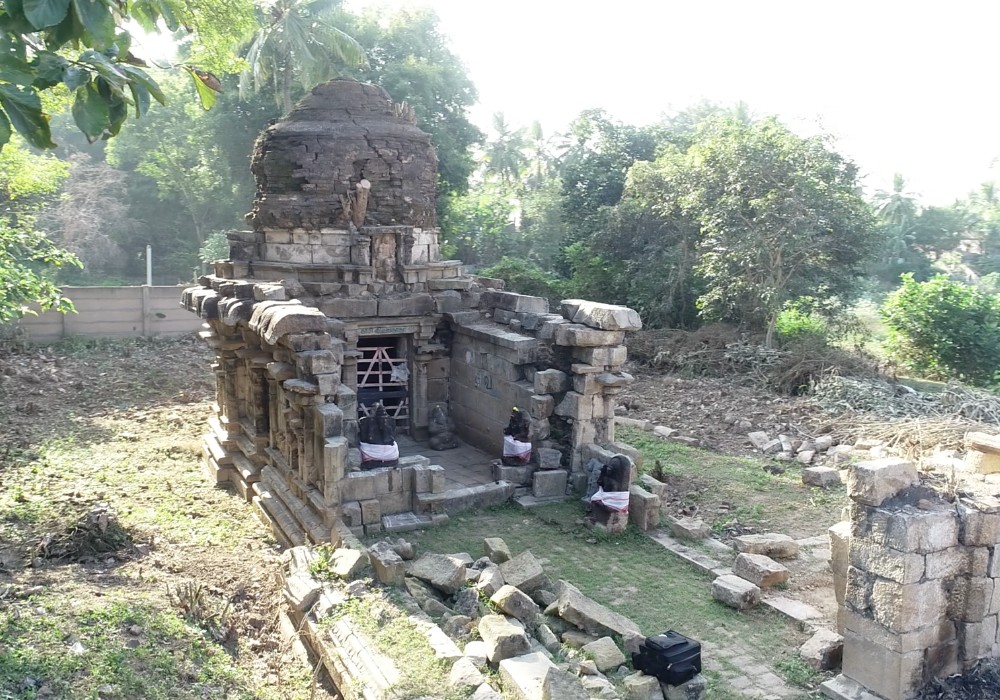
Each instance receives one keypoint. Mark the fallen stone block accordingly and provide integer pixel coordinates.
(464, 674)
(524, 572)
(605, 654)
(348, 563)
(467, 602)
(694, 689)
(548, 638)
(654, 486)
(589, 615)
(759, 439)
(599, 687)
(523, 677)
(302, 590)
(504, 638)
(517, 604)
(444, 573)
(639, 686)
(490, 580)
(823, 477)
(735, 592)
(688, 528)
(485, 692)
(770, 544)
(823, 651)
(760, 570)
(872, 483)
(388, 565)
(562, 685)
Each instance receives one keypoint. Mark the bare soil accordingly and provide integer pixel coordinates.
(116, 427)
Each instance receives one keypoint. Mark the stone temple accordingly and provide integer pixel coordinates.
(338, 300)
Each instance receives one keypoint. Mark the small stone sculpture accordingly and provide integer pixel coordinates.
(610, 501)
(442, 430)
(378, 440)
(516, 444)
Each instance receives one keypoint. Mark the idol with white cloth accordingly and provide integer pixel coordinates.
(378, 440)
(516, 444)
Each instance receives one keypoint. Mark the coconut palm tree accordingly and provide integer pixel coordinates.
(297, 41)
(505, 153)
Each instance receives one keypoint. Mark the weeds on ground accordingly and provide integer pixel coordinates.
(396, 636)
(194, 602)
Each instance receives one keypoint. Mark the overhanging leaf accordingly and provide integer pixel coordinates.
(24, 109)
(140, 98)
(90, 112)
(106, 68)
(207, 86)
(49, 69)
(15, 71)
(96, 18)
(76, 77)
(138, 75)
(45, 13)
(5, 130)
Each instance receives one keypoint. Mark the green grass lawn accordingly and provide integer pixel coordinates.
(724, 487)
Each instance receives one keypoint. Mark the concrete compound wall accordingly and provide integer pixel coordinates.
(113, 312)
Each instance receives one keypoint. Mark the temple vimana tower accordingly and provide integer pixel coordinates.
(338, 301)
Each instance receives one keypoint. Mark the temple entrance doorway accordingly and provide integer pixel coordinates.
(384, 376)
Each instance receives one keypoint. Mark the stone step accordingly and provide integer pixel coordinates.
(304, 516)
(530, 501)
(217, 474)
(844, 688)
(225, 433)
(222, 456)
(248, 471)
(273, 513)
(405, 522)
(465, 498)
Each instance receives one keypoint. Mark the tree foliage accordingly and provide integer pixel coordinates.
(780, 217)
(944, 328)
(27, 256)
(298, 41)
(85, 48)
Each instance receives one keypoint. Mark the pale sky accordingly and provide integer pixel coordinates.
(906, 87)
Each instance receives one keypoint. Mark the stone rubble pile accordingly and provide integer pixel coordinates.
(499, 613)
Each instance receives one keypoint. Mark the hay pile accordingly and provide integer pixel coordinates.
(95, 533)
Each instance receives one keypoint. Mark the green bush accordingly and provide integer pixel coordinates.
(941, 329)
(795, 326)
(527, 278)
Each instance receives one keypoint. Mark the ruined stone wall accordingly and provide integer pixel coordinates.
(563, 369)
(917, 580)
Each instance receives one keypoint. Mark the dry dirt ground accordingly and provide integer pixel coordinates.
(122, 574)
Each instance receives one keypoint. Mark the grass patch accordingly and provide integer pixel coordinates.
(727, 488)
(800, 674)
(384, 623)
(125, 650)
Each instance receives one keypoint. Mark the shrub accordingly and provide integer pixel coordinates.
(942, 328)
(797, 327)
(527, 278)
